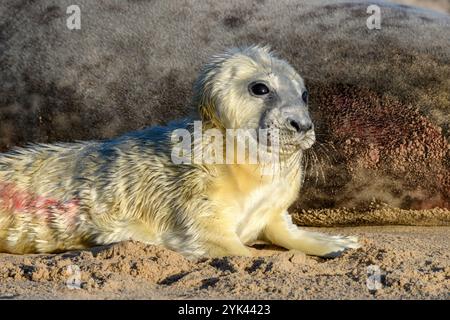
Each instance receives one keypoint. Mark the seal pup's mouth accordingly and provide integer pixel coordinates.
(287, 140)
(303, 140)
(289, 128)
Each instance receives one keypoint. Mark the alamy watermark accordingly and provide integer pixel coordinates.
(74, 279)
(374, 21)
(73, 22)
(374, 279)
(234, 146)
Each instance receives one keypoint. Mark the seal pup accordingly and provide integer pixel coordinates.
(76, 195)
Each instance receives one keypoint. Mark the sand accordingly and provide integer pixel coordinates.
(376, 215)
(411, 262)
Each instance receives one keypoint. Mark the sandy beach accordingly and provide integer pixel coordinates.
(395, 262)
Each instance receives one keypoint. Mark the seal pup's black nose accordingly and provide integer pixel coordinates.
(299, 126)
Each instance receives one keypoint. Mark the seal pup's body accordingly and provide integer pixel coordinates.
(76, 195)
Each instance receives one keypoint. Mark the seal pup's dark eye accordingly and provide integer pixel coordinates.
(305, 96)
(259, 89)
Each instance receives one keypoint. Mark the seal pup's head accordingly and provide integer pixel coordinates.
(251, 88)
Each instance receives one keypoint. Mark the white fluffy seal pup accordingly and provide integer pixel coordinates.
(77, 195)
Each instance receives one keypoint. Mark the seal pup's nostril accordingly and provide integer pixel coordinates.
(294, 124)
(298, 126)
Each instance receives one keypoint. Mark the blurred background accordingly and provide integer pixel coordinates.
(439, 5)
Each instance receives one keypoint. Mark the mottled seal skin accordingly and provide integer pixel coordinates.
(128, 67)
(378, 150)
(77, 195)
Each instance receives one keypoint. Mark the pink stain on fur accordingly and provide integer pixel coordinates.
(14, 200)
